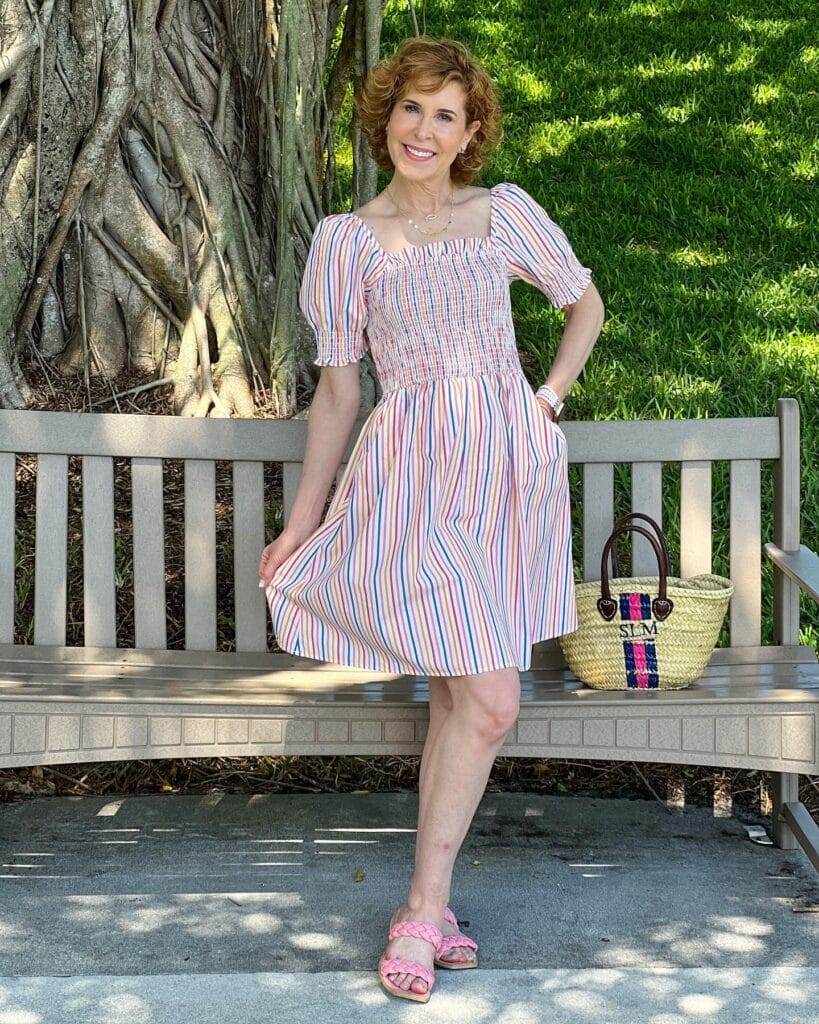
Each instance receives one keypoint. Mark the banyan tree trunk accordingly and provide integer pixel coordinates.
(162, 166)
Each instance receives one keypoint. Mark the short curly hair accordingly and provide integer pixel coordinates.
(429, 63)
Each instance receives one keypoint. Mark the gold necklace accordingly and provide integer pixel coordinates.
(427, 216)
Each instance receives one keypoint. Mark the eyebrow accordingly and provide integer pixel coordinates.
(446, 110)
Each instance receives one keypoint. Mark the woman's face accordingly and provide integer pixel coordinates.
(433, 125)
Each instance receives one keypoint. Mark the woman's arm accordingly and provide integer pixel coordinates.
(584, 320)
(330, 420)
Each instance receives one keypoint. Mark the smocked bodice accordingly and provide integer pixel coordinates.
(437, 310)
(444, 311)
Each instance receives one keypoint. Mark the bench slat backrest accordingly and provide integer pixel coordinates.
(695, 518)
(745, 547)
(98, 566)
(646, 496)
(149, 552)
(200, 555)
(787, 533)
(51, 553)
(598, 513)
(248, 444)
(249, 539)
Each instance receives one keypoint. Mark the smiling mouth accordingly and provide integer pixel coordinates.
(418, 154)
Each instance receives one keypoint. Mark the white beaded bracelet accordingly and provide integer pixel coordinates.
(551, 396)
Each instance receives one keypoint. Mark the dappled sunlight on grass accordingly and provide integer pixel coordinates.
(661, 67)
(644, 10)
(532, 87)
(691, 256)
(807, 165)
(745, 59)
(681, 113)
(552, 139)
(768, 27)
(810, 56)
(765, 92)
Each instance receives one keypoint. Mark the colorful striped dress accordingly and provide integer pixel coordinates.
(446, 548)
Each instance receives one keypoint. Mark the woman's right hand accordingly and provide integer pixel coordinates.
(278, 551)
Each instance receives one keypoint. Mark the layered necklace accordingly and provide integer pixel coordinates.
(428, 217)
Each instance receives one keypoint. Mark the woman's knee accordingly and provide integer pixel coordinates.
(491, 700)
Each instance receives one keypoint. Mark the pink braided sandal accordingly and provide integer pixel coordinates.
(450, 942)
(397, 965)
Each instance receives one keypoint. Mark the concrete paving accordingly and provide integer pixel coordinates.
(274, 908)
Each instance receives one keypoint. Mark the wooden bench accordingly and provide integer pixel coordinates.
(755, 707)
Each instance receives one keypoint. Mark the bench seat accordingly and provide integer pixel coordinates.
(753, 707)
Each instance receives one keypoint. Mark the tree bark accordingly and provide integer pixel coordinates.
(161, 175)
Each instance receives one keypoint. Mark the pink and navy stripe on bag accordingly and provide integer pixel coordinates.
(641, 664)
(635, 606)
(640, 655)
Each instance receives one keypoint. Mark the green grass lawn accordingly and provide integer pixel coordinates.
(676, 145)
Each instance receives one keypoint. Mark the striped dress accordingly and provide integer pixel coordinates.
(446, 548)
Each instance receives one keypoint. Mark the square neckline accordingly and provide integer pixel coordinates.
(462, 240)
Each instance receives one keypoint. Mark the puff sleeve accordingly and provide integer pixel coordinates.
(331, 295)
(537, 250)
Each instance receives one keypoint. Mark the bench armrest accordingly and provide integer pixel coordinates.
(802, 567)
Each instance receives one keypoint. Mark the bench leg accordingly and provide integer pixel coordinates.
(784, 790)
(793, 826)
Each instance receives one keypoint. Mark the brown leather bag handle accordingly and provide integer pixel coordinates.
(659, 549)
(606, 605)
(660, 537)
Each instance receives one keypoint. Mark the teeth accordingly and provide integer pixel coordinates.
(419, 152)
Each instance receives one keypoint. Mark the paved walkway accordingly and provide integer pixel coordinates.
(166, 909)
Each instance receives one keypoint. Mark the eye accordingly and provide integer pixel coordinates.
(414, 106)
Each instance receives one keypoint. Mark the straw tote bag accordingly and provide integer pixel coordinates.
(645, 632)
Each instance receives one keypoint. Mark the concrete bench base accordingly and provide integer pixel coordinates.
(753, 708)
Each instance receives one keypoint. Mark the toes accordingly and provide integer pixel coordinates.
(407, 982)
(459, 954)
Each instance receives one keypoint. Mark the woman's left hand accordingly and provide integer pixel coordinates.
(549, 410)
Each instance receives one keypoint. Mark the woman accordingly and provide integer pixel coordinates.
(446, 550)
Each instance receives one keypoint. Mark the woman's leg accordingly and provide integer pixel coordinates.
(485, 707)
(440, 704)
